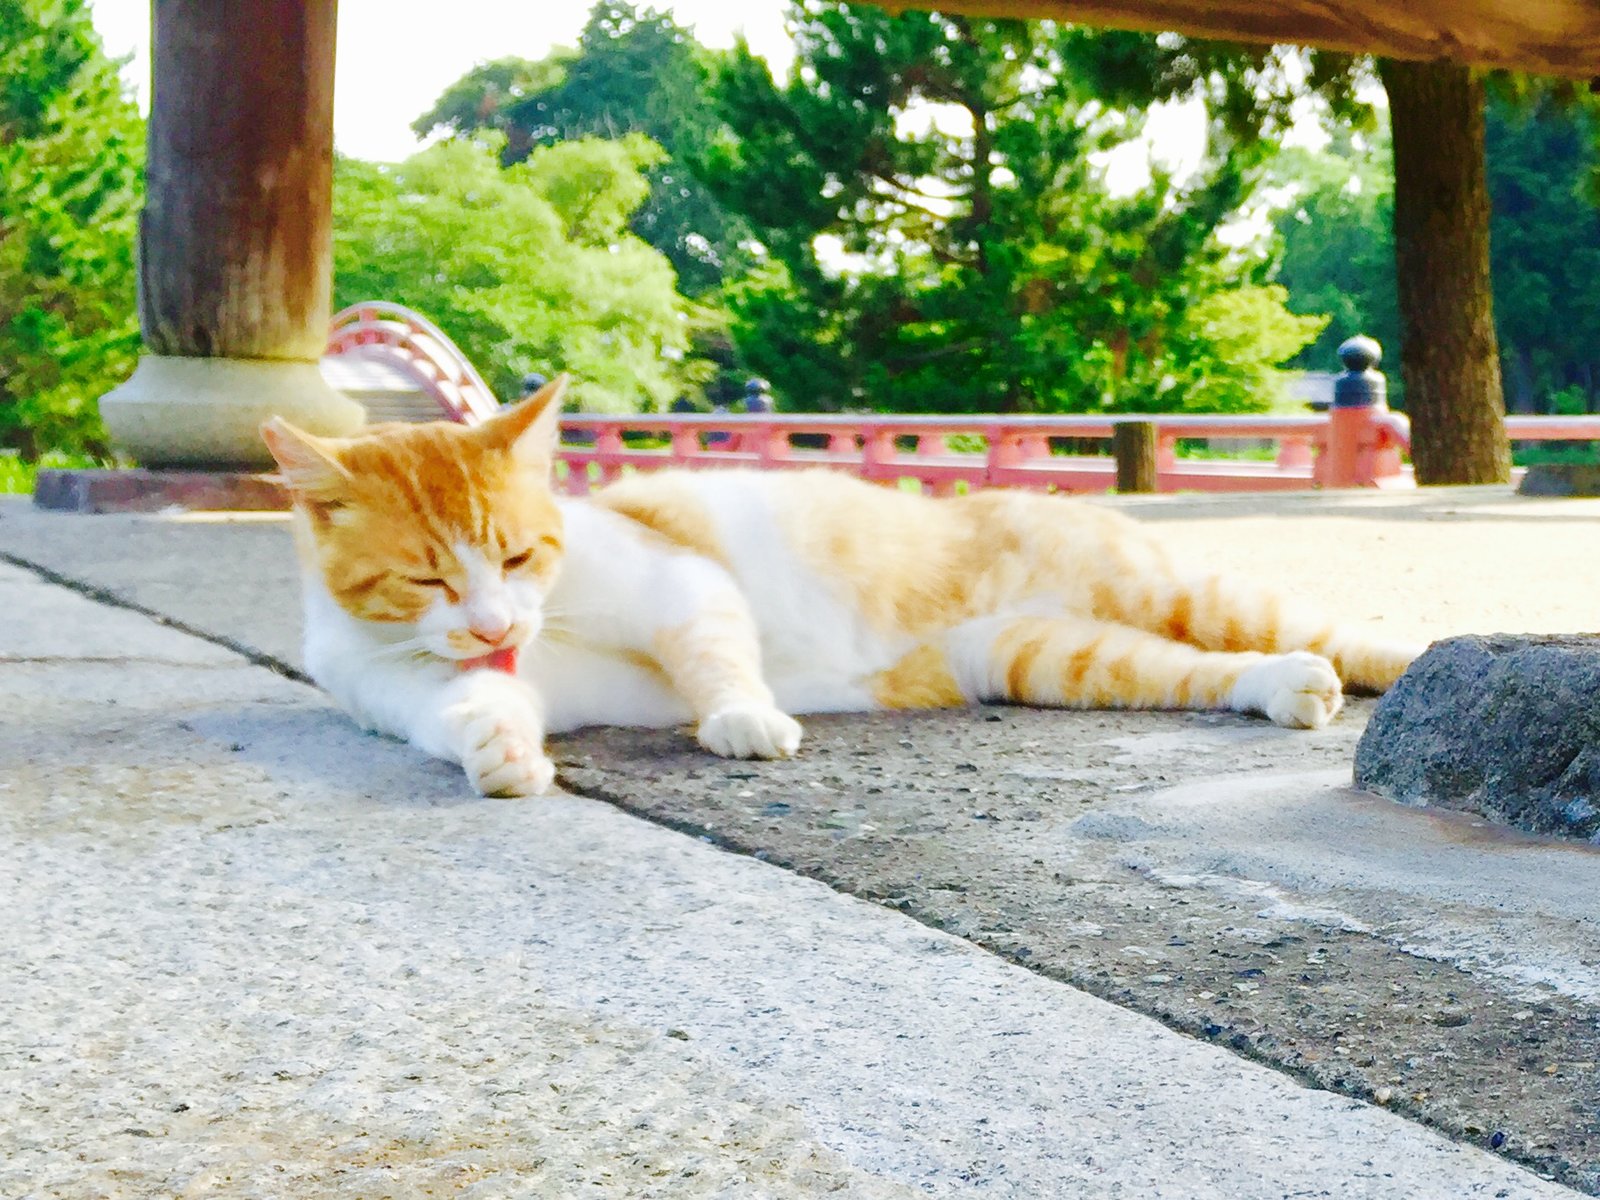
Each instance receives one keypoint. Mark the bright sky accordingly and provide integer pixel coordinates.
(396, 56)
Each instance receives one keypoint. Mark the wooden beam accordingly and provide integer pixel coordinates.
(1544, 37)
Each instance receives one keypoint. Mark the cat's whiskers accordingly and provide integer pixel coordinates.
(415, 647)
(557, 618)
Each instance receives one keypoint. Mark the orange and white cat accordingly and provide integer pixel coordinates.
(454, 600)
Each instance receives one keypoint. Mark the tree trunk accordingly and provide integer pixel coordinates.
(1449, 358)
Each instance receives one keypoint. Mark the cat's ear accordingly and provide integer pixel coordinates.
(530, 431)
(309, 464)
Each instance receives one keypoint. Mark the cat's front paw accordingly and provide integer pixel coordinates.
(502, 750)
(1299, 690)
(750, 731)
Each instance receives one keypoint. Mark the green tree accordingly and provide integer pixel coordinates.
(1335, 233)
(509, 96)
(634, 71)
(1544, 162)
(1449, 359)
(71, 150)
(992, 268)
(1337, 243)
(528, 268)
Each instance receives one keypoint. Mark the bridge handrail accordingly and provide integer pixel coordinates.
(1526, 428)
(1018, 451)
(437, 363)
(1171, 425)
(1339, 447)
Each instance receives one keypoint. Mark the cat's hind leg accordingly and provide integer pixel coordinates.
(1074, 662)
(1222, 613)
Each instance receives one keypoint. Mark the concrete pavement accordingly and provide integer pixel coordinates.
(254, 953)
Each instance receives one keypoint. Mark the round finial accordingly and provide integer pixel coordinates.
(1360, 353)
(757, 398)
(1361, 385)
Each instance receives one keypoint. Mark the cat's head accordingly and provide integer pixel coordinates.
(449, 533)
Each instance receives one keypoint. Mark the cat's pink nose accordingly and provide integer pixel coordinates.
(490, 631)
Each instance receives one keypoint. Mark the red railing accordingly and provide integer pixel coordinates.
(1351, 447)
(1344, 447)
(413, 344)
(1553, 429)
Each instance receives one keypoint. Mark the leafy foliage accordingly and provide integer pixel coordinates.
(1337, 244)
(1545, 249)
(529, 268)
(990, 267)
(71, 150)
(634, 71)
(1254, 92)
(487, 98)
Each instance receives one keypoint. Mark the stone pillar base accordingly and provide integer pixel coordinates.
(138, 491)
(207, 412)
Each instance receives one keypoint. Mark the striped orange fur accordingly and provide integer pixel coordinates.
(733, 598)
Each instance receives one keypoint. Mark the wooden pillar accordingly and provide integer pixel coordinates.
(1133, 444)
(235, 253)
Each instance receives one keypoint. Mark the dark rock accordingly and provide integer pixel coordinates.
(1561, 479)
(1504, 726)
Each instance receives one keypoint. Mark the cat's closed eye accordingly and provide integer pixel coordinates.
(433, 581)
(515, 562)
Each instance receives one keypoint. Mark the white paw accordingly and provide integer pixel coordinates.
(1299, 690)
(750, 731)
(501, 748)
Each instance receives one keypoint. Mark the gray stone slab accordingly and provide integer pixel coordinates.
(42, 624)
(1217, 873)
(234, 578)
(251, 952)
(1046, 838)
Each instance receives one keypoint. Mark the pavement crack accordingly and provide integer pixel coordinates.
(107, 660)
(102, 595)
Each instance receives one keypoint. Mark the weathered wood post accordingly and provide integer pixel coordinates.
(235, 253)
(1133, 445)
